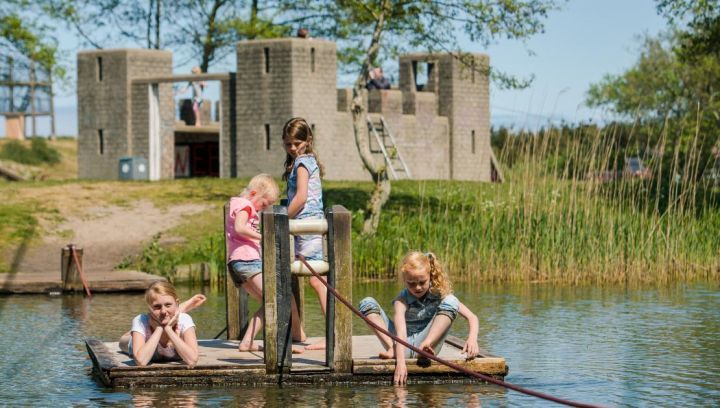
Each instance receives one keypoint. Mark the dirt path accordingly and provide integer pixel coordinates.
(107, 235)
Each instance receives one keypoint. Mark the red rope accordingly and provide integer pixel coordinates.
(438, 359)
(80, 271)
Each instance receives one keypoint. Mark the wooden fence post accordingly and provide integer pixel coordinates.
(236, 299)
(69, 273)
(277, 291)
(339, 320)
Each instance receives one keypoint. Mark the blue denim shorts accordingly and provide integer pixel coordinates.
(242, 271)
(448, 308)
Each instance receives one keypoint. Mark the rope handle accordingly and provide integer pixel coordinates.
(440, 360)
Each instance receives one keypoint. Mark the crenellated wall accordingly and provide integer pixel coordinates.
(441, 127)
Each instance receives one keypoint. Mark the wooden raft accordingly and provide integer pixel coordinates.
(221, 364)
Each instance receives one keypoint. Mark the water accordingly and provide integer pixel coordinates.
(611, 346)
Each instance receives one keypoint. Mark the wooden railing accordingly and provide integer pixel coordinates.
(282, 279)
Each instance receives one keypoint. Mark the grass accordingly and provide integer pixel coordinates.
(548, 222)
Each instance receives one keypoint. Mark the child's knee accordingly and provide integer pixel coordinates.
(369, 305)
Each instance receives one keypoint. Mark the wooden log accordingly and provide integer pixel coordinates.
(69, 274)
(308, 227)
(339, 320)
(102, 359)
(299, 269)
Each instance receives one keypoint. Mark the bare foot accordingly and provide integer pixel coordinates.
(302, 339)
(192, 303)
(297, 350)
(320, 345)
(387, 354)
(249, 347)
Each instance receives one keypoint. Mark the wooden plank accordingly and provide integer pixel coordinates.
(481, 365)
(232, 294)
(284, 289)
(102, 359)
(269, 290)
(341, 250)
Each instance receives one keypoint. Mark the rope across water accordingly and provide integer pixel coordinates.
(440, 360)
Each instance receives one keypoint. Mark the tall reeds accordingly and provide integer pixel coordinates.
(566, 213)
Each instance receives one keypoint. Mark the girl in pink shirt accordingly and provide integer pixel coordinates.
(242, 232)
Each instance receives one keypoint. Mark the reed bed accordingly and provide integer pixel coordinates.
(559, 217)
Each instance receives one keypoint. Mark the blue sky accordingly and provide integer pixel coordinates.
(583, 41)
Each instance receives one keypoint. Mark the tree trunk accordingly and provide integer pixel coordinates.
(382, 189)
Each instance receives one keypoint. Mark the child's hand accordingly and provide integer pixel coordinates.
(173, 321)
(400, 377)
(471, 349)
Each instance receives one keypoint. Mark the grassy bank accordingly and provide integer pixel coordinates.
(547, 222)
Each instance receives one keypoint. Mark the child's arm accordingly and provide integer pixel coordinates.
(471, 348)
(143, 351)
(242, 228)
(400, 377)
(186, 346)
(301, 195)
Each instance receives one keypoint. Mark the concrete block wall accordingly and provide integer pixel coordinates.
(144, 64)
(103, 112)
(107, 102)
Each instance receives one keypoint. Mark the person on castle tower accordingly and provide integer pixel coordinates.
(197, 89)
(377, 80)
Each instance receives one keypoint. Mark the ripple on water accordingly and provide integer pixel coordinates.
(609, 346)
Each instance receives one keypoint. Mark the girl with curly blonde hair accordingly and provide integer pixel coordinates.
(424, 311)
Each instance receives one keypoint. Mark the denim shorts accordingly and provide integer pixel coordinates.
(448, 308)
(242, 271)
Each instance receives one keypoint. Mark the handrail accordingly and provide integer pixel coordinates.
(309, 227)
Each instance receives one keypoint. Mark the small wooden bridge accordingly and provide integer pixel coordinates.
(346, 359)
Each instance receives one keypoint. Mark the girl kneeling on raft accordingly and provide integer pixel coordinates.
(166, 333)
(424, 311)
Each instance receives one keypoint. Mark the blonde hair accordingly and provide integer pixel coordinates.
(439, 281)
(160, 288)
(264, 185)
(298, 129)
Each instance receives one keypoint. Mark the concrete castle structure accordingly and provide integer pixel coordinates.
(125, 106)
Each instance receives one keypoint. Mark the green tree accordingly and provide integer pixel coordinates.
(19, 33)
(369, 31)
(195, 30)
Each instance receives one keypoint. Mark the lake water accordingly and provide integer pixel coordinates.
(613, 346)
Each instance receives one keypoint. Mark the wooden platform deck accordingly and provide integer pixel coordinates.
(221, 364)
(110, 281)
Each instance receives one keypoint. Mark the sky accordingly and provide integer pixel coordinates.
(582, 42)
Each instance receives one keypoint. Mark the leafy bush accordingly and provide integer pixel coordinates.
(38, 153)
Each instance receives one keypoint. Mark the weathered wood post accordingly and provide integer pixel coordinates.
(69, 273)
(339, 320)
(277, 291)
(236, 299)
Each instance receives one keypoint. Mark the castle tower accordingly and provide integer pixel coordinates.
(277, 80)
(106, 112)
(463, 97)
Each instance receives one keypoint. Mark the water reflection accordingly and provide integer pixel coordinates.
(611, 346)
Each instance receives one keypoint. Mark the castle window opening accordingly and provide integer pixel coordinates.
(312, 129)
(267, 60)
(421, 72)
(99, 69)
(312, 59)
(267, 136)
(101, 142)
(472, 71)
(472, 141)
